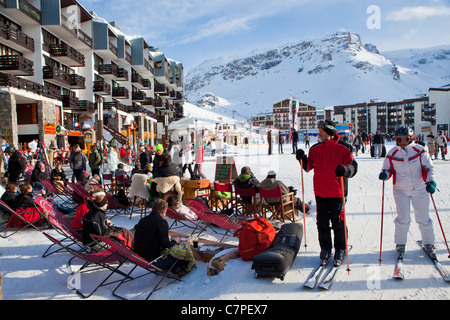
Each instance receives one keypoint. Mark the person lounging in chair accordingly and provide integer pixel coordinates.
(151, 240)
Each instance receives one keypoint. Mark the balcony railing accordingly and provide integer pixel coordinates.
(108, 69)
(78, 33)
(101, 87)
(120, 93)
(161, 89)
(68, 54)
(70, 102)
(138, 95)
(77, 81)
(17, 65)
(113, 49)
(122, 75)
(114, 104)
(16, 36)
(9, 80)
(63, 78)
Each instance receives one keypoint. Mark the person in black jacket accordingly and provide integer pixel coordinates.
(37, 175)
(95, 221)
(152, 237)
(166, 167)
(9, 198)
(16, 164)
(145, 157)
(58, 175)
(246, 180)
(25, 199)
(294, 140)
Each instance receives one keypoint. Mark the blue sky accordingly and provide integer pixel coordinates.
(191, 31)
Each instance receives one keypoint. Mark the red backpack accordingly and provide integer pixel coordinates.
(255, 236)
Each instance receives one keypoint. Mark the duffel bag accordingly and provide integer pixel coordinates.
(255, 236)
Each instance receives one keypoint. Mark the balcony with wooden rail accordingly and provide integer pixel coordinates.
(120, 93)
(138, 95)
(11, 81)
(16, 38)
(16, 65)
(62, 78)
(101, 87)
(67, 55)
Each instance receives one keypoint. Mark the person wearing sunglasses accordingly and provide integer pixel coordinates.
(330, 158)
(412, 171)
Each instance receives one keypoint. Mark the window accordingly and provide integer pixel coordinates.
(27, 114)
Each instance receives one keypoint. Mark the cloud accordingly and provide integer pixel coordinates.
(182, 22)
(418, 13)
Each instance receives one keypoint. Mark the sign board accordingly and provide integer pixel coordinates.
(88, 137)
(225, 169)
(49, 128)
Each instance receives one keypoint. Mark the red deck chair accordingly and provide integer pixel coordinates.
(109, 183)
(214, 219)
(77, 196)
(19, 220)
(248, 209)
(62, 225)
(172, 214)
(58, 195)
(113, 204)
(103, 260)
(220, 204)
(128, 255)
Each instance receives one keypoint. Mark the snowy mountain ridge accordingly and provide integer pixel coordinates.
(333, 70)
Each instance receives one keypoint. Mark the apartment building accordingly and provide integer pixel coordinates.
(66, 74)
(424, 112)
(263, 119)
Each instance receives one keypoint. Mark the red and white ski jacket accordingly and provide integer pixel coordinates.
(409, 167)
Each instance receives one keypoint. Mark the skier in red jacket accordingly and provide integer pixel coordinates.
(330, 159)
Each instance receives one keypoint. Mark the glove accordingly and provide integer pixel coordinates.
(300, 154)
(383, 176)
(431, 187)
(341, 170)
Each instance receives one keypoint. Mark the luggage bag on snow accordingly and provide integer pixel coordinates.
(255, 236)
(277, 260)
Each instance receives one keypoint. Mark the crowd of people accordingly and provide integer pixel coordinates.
(332, 160)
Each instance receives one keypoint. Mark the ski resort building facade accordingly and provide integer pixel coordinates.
(67, 75)
(423, 113)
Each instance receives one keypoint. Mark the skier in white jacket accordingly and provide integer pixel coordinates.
(412, 171)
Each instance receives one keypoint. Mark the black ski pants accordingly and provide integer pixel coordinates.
(330, 210)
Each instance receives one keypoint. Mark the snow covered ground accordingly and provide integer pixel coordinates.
(26, 275)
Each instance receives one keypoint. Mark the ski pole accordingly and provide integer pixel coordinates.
(440, 224)
(303, 200)
(345, 223)
(382, 214)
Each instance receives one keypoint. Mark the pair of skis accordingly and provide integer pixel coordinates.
(325, 284)
(399, 273)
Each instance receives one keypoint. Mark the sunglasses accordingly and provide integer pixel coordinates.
(324, 125)
(402, 139)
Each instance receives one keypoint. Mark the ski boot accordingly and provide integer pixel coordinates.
(325, 255)
(339, 256)
(400, 248)
(429, 248)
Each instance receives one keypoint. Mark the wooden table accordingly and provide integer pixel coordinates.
(195, 188)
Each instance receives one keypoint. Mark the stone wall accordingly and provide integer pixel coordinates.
(46, 113)
(8, 117)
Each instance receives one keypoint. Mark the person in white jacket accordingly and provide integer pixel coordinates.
(187, 154)
(412, 172)
(113, 160)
